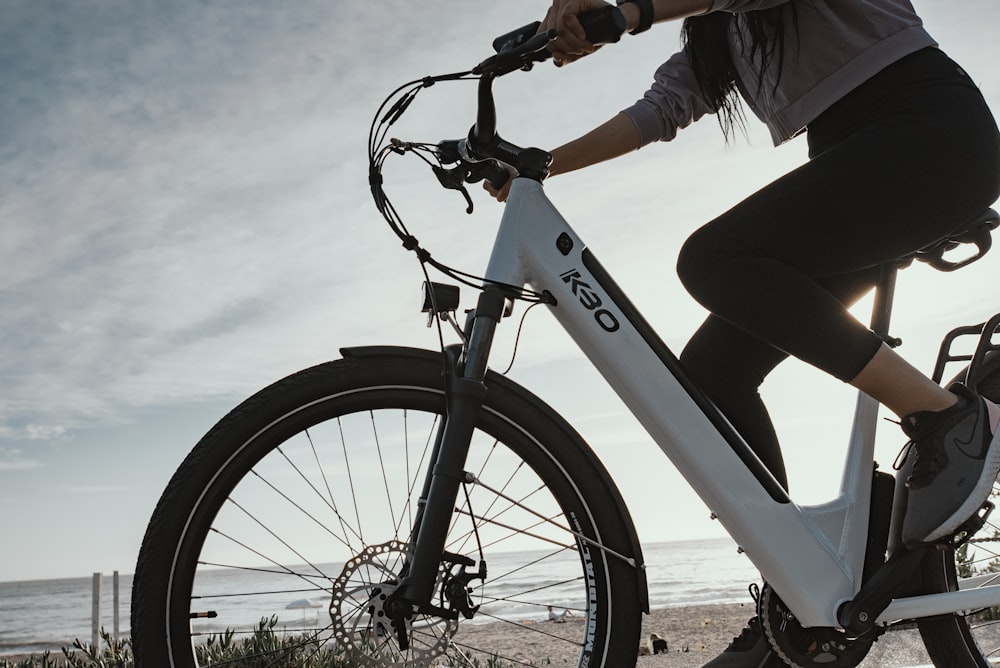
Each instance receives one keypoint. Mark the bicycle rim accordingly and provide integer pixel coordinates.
(304, 529)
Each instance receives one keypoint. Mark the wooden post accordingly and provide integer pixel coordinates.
(96, 612)
(117, 616)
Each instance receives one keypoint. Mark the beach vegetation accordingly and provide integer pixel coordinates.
(257, 649)
(267, 645)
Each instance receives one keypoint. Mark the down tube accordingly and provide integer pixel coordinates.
(535, 245)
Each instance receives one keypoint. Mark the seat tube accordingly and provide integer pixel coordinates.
(465, 392)
(882, 308)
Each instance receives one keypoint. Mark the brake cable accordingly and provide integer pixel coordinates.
(380, 148)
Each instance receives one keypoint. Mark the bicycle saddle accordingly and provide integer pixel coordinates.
(977, 231)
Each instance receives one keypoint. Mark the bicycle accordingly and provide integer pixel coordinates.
(457, 468)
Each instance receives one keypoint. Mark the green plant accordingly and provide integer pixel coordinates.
(45, 660)
(266, 647)
(263, 647)
(116, 654)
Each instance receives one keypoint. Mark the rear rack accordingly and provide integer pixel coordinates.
(985, 331)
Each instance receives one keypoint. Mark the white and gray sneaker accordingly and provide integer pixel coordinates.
(957, 460)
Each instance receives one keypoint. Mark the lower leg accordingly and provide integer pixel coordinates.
(728, 365)
(900, 387)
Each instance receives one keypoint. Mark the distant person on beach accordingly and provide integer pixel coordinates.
(902, 151)
(559, 616)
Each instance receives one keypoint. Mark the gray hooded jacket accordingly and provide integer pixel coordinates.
(836, 46)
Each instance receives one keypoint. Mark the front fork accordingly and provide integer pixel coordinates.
(465, 391)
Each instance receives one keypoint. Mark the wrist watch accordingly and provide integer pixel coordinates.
(645, 15)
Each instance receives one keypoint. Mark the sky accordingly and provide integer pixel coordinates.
(185, 218)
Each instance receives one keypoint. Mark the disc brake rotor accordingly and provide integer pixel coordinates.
(363, 629)
(808, 647)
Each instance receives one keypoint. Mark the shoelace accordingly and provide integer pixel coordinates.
(927, 461)
(927, 464)
(752, 632)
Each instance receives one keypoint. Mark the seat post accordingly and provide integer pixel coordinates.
(885, 290)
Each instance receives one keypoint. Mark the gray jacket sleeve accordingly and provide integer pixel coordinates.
(674, 101)
(744, 5)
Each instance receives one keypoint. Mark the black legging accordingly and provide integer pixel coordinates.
(900, 162)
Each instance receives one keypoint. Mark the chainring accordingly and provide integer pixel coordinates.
(808, 647)
(363, 629)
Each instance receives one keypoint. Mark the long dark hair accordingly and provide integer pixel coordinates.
(707, 40)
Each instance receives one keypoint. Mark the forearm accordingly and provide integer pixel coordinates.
(611, 139)
(666, 10)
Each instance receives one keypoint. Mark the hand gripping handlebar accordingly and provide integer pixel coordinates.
(518, 50)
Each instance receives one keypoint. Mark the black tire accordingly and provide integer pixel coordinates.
(280, 493)
(973, 639)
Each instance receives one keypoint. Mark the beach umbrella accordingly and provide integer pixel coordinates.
(302, 604)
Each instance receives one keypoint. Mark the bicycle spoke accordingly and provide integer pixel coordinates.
(278, 538)
(318, 522)
(332, 504)
(381, 463)
(350, 480)
(283, 570)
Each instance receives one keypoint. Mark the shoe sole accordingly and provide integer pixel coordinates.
(980, 493)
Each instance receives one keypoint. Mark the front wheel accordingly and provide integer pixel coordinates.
(288, 526)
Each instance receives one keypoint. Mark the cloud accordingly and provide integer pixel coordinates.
(41, 432)
(185, 210)
(161, 189)
(12, 459)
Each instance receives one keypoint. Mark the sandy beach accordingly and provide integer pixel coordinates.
(695, 634)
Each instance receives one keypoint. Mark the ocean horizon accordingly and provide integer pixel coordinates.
(46, 615)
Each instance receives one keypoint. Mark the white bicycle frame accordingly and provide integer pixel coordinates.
(812, 556)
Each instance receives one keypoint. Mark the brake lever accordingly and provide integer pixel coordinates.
(521, 48)
(454, 179)
(518, 57)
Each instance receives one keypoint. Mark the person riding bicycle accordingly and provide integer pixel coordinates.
(902, 150)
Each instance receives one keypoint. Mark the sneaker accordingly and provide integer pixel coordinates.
(750, 649)
(957, 460)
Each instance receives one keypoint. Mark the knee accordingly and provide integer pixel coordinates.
(717, 377)
(698, 263)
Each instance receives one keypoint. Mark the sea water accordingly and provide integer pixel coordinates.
(50, 614)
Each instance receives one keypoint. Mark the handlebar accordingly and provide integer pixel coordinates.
(520, 49)
(482, 153)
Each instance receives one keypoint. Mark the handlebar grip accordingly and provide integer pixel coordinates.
(603, 26)
(496, 174)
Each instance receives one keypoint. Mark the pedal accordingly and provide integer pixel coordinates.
(972, 526)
